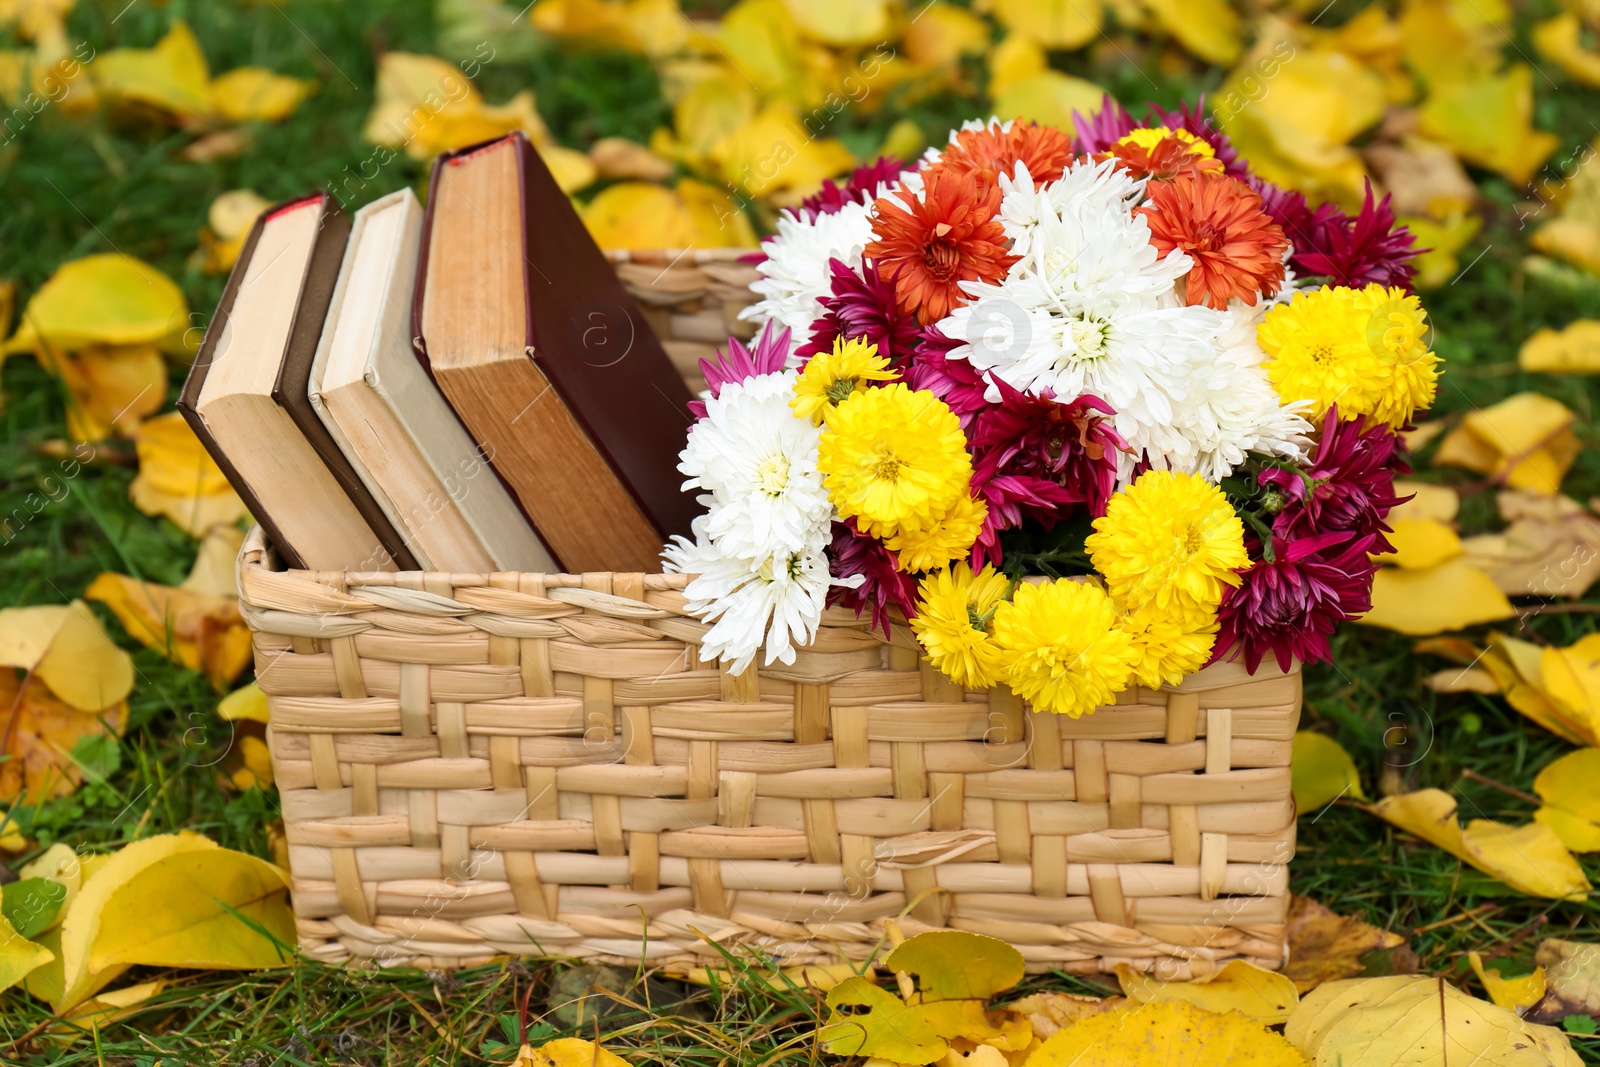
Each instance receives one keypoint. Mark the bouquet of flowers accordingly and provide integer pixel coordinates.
(1088, 411)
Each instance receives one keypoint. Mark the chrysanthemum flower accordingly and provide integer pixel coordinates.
(1069, 443)
(862, 305)
(795, 273)
(1365, 250)
(894, 457)
(1168, 538)
(1169, 644)
(1218, 222)
(1161, 154)
(1397, 331)
(867, 575)
(955, 612)
(1290, 604)
(1317, 350)
(1347, 484)
(929, 245)
(738, 363)
(996, 149)
(865, 181)
(1065, 652)
(948, 538)
(955, 381)
(831, 378)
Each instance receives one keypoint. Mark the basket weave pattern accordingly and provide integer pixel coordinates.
(473, 765)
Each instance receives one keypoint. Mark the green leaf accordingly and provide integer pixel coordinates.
(32, 904)
(1322, 772)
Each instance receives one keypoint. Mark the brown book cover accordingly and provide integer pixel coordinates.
(585, 336)
(294, 372)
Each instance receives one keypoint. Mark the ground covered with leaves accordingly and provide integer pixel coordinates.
(1449, 812)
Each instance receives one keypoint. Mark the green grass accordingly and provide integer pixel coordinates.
(78, 186)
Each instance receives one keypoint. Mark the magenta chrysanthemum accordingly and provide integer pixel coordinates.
(1070, 443)
(1291, 604)
(739, 363)
(1099, 131)
(1355, 252)
(862, 306)
(1348, 483)
(884, 586)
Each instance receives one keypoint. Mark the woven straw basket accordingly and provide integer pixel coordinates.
(480, 764)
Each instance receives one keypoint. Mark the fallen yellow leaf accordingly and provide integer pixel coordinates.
(1411, 1021)
(199, 631)
(41, 734)
(821, 977)
(1572, 975)
(1574, 350)
(1541, 555)
(184, 910)
(1325, 946)
(1453, 40)
(1570, 789)
(1049, 1012)
(1422, 179)
(942, 34)
(111, 388)
(1525, 441)
(772, 157)
(618, 157)
(1530, 858)
(1241, 986)
(214, 571)
(1322, 772)
(228, 223)
(1440, 263)
(426, 105)
(254, 94)
(841, 22)
(1451, 596)
(1208, 28)
(65, 647)
(246, 702)
(179, 479)
(171, 77)
(1489, 121)
(1558, 40)
(568, 1052)
(1421, 543)
(1437, 502)
(1016, 58)
(107, 1007)
(1513, 994)
(106, 299)
(18, 956)
(1169, 1032)
(1050, 98)
(1059, 24)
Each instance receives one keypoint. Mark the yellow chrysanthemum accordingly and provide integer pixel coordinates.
(1397, 332)
(1168, 538)
(894, 457)
(1064, 650)
(831, 378)
(949, 538)
(1169, 644)
(955, 610)
(1148, 137)
(1317, 350)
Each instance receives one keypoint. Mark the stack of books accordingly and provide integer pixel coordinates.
(464, 389)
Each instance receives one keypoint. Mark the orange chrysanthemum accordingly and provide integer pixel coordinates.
(927, 247)
(1218, 221)
(1162, 154)
(989, 152)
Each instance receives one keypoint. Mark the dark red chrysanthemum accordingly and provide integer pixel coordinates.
(1355, 252)
(1034, 457)
(862, 182)
(929, 245)
(1291, 604)
(1218, 222)
(1348, 483)
(862, 305)
(955, 381)
(884, 584)
(990, 152)
(738, 363)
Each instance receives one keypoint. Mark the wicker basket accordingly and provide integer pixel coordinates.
(473, 765)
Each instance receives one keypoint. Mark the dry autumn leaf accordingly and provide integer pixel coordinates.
(1325, 946)
(1322, 772)
(645, 215)
(773, 157)
(1241, 986)
(648, 27)
(1570, 789)
(1573, 350)
(567, 1052)
(65, 647)
(1437, 502)
(200, 631)
(1210, 29)
(1422, 178)
(18, 956)
(179, 479)
(1546, 554)
(1559, 41)
(1441, 241)
(1489, 121)
(1525, 441)
(1514, 994)
(171, 77)
(1170, 1032)
(1450, 596)
(1051, 98)
(1406, 1021)
(108, 299)
(1572, 979)
(1050, 1012)
(821, 977)
(1530, 858)
(1058, 24)
(40, 735)
(620, 158)
(110, 387)
(1421, 543)
(254, 94)
(228, 222)
(1016, 58)
(246, 702)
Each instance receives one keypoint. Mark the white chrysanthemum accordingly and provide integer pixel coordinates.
(757, 462)
(774, 600)
(795, 272)
(1092, 308)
